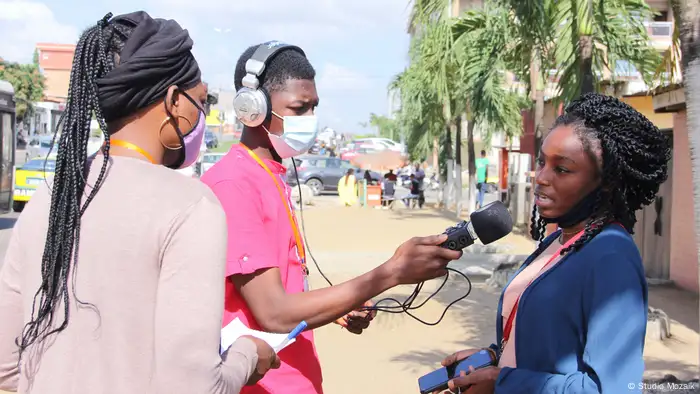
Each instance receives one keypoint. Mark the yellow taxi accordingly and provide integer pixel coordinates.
(29, 177)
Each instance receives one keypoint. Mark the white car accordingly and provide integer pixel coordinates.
(380, 144)
(40, 146)
(208, 161)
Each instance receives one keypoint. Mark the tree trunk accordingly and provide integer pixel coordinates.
(436, 149)
(458, 165)
(447, 193)
(687, 14)
(537, 95)
(586, 54)
(472, 165)
(537, 85)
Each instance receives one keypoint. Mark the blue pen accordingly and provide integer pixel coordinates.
(292, 335)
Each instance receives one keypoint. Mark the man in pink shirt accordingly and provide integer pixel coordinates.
(266, 276)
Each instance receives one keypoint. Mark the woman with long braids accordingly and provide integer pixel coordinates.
(126, 294)
(573, 319)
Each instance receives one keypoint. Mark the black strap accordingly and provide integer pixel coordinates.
(268, 50)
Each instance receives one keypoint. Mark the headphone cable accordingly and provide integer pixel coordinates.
(401, 307)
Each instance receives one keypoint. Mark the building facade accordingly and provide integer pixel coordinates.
(55, 62)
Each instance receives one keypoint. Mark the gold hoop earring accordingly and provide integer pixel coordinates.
(160, 131)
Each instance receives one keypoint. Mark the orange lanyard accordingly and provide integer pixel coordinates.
(135, 148)
(292, 222)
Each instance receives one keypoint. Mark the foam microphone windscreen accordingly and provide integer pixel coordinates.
(492, 222)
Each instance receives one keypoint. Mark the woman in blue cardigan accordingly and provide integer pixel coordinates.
(573, 319)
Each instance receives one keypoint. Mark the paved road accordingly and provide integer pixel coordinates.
(6, 223)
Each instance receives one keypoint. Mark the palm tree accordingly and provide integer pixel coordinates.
(457, 69)
(582, 40)
(385, 126)
(487, 47)
(431, 91)
(687, 16)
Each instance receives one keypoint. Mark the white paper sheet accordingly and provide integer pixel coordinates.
(237, 329)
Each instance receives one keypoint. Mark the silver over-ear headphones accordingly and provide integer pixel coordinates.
(252, 102)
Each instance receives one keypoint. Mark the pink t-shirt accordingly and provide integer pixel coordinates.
(261, 236)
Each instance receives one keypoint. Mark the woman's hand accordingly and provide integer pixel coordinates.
(480, 381)
(477, 381)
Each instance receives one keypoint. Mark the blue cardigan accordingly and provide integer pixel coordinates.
(581, 325)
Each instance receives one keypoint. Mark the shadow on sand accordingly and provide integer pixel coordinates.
(475, 316)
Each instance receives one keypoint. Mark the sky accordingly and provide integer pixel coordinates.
(356, 46)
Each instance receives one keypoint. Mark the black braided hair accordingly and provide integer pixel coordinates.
(96, 53)
(634, 153)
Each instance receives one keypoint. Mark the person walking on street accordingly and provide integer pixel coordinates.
(482, 173)
(347, 188)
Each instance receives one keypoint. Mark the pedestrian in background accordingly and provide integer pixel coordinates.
(347, 188)
(482, 174)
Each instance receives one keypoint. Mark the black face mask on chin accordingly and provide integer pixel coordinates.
(583, 210)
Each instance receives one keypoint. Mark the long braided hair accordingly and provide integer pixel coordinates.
(96, 54)
(634, 153)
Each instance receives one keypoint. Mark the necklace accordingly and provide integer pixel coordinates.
(563, 233)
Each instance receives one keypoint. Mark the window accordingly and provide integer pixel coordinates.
(624, 68)
(346, 164)
(332, 163)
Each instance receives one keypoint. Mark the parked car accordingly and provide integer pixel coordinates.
(208, 161)
(41, 146)
(210, 140)
(29, 177)
(322, 173)
(380, 144)
(357, 151)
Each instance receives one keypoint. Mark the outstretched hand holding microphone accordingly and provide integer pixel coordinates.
(420, 259)
(417, 260)
(424, 258)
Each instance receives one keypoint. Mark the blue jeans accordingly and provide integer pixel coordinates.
(480, 191)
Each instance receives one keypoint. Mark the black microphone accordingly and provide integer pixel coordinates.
(488, 224)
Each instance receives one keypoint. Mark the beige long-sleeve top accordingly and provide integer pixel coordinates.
(151, 262)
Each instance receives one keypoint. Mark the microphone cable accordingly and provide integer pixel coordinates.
(401, 307)
(303, 227)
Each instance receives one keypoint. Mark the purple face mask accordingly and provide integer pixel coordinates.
(192, 142)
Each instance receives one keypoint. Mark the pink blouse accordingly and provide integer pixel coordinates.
(517, 286)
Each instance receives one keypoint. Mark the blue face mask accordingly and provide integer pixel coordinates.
(299, 135)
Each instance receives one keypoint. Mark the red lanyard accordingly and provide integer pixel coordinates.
(292, 222)
(509, 323)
